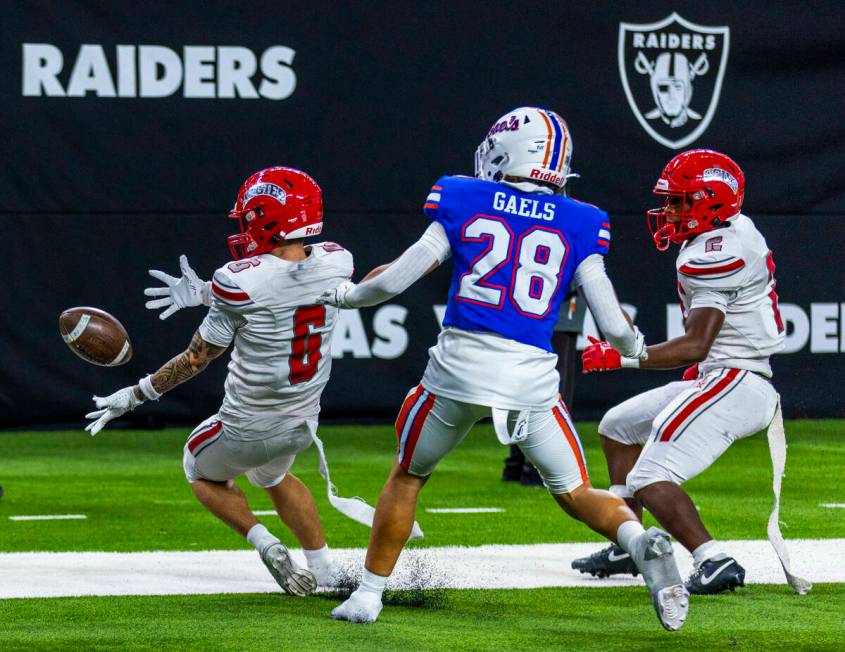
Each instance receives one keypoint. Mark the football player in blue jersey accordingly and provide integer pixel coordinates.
(517, 242)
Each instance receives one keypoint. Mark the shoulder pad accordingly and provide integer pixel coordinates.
(712, 256)
(335, 255)
(224, 285)
(593, 224)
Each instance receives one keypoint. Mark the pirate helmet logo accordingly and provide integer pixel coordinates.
(672, 73)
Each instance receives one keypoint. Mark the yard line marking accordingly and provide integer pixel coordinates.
(833, 505)
(265, 512)
(464, 510)
(58, 574)
(49, 517)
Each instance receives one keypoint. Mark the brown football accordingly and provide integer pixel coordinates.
(95, 336)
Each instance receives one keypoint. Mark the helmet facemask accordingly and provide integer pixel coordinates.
(703, 189)
(694, 211)
(242, 245)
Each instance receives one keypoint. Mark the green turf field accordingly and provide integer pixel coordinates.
(130, 486)
(759, 618)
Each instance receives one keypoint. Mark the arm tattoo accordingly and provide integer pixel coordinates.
(185, 365)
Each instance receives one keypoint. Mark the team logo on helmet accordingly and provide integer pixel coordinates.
(718, 174)
(672, 73)
(269, 189)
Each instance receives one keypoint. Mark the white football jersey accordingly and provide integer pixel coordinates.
(489, 369)
(281, 359)
(731, 269)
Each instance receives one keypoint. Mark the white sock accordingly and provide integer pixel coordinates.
(320, 558)
(627, 533)
(709, 550)
(260, 537)
(372, 583)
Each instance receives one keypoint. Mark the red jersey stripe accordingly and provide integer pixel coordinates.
(225, 294)
(430, 205)
(739, 263)
(693, 405)
(437, 187)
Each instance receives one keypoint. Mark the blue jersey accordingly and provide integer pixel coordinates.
(514, 255)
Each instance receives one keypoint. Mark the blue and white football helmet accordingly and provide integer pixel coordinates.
(528, 148)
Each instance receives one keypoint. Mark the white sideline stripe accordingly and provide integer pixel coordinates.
(49, 517)
(464, 510)
(54, 574)
(264, 512)
(833, 505)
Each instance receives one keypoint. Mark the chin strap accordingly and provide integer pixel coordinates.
(355, 508)
(777, 450)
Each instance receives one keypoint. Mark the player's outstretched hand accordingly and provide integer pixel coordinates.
(111, 407)
(177, 293)
(337, 296)
(600, 356)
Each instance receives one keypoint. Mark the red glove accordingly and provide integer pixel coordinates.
(690, 373)
(600, 356)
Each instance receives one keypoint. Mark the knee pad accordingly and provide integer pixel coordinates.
(561, 484)
(643, 475)
(264, 480)
(189, 464)
(611, 426)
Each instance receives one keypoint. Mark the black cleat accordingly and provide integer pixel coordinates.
(606, 562)
(716, 576)
(530, 476)
(511, 472)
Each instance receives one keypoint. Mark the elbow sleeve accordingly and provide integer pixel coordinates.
(601, 297)
(402, 273)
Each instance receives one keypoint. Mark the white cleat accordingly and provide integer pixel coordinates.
(292, 578)
(360, 607)
(655, 559)
(672, 604)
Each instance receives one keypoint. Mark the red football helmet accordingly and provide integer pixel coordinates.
(703, 189)
(275, 204)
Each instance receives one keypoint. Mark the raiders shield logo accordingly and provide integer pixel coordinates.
(672, 72)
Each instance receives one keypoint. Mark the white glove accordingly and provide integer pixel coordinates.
(640, 351)
(337, 296)
(111, 407)
(178, 293)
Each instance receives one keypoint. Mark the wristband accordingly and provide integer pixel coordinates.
(205, 293)
(147, 389)
(629, 363)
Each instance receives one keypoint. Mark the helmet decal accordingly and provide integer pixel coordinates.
(718, 174)
(269, 189)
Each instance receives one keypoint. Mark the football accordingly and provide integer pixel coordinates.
(95, 336)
